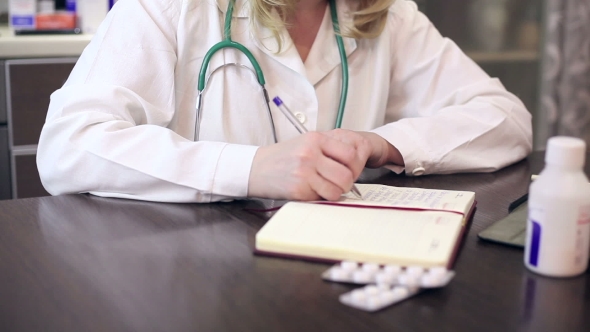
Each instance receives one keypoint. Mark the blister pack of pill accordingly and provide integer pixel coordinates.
(393, 275)
(376, 297)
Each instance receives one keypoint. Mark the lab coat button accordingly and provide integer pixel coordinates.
(300, 116)
(418, 171)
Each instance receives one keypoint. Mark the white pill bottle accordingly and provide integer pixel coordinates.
(558, 225)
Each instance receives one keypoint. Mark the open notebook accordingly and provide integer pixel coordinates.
(391, 225)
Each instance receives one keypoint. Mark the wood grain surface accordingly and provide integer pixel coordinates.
(85, 263)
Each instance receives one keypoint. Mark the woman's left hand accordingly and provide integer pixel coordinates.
(381, 151)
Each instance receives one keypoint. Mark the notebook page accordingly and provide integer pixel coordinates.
(371, 235)
(381, 195)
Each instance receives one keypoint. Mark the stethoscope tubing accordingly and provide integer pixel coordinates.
(257, 70)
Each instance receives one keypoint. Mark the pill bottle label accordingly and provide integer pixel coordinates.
(582, 237)
(533, 256)
(557, 239)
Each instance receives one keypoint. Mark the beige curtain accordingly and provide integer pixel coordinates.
(565, 84)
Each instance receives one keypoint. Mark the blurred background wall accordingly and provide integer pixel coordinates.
(565, 74)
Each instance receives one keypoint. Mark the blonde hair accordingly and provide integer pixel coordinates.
(368, 21)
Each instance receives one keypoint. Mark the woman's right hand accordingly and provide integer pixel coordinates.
(309, 167)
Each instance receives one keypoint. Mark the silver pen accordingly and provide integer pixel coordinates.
(301, 128)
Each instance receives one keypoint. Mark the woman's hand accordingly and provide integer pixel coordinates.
(315, 165)
(309, 167)
(382, 153)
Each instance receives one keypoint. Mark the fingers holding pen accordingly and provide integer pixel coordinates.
(360, 147)
(335, 163)
(337, 174)
(308, 167)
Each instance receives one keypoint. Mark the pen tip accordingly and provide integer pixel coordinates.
(356, 192)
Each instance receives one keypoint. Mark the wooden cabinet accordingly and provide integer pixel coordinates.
(4, 155)
(28, 86)
(5, 191)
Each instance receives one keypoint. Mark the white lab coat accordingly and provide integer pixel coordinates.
(123, 124)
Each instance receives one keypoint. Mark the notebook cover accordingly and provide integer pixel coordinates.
(453, 257)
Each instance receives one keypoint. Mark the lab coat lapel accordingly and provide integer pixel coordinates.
(241, 8)
(266, 41)
(324, 54)
(288, 57)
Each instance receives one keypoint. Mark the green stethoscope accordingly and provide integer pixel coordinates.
(228, 43)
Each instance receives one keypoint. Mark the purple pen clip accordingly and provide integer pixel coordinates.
(300, 128)
(277, 101)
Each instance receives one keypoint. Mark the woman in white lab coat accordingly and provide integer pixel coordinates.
(123, 125)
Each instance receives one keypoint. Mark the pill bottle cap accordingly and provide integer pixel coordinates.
(565, 151)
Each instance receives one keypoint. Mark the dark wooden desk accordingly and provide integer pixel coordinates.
(83, 263)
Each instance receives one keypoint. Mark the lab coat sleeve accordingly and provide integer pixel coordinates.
(445, 114)
(106, 129)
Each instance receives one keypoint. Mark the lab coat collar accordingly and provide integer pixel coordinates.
(324, 55)
(324, 52)
(265, 41)
(241, 8)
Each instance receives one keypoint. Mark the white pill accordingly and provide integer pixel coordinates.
(372, 290)
(374, 302)
(371, 268)
(383, 287)
(339, 274)
(385, 278)
(415, 270)
(400, 292)
(387, 296)
(392, 269)
(429, 280)
(361, 276)
(358, 295)
(348, 265)
(438, 270)
(408, 280)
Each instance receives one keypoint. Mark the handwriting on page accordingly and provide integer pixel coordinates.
(402, 196)
(411, 197)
